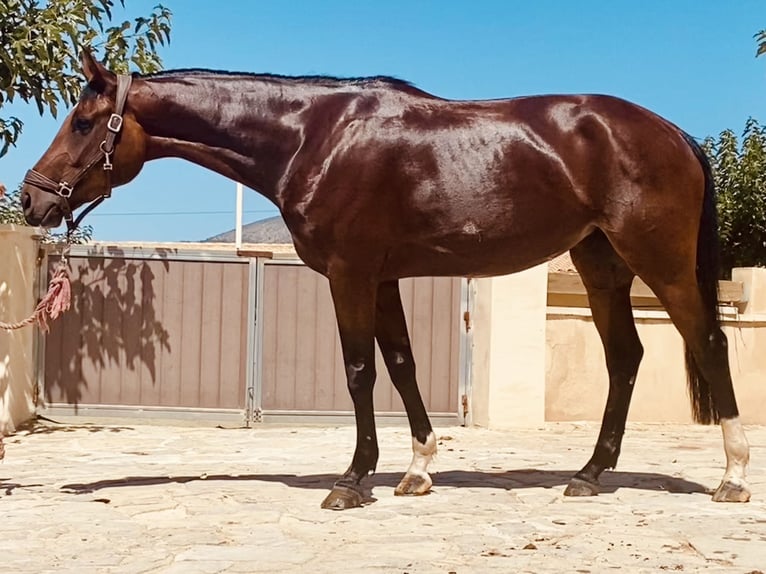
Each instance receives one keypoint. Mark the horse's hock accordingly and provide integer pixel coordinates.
(18, 273)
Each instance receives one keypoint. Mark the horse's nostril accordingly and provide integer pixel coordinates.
(26, 201)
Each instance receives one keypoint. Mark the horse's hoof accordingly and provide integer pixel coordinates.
(414, 485)
(730, 492)
(580, 487)
(342, 498)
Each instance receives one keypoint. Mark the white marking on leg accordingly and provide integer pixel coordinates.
(422, 455)
(737, 451)
(416, 480)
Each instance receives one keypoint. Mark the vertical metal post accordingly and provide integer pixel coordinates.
(41, 286)
(467, 296)
(238, 223)
(250, 364)
(258, 351)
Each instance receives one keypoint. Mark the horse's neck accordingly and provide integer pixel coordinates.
(242, 128)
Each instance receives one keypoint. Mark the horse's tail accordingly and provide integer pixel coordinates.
(704, 409)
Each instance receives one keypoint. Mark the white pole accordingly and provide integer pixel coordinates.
(238, 228)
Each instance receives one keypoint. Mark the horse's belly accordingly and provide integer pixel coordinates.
(478, 259)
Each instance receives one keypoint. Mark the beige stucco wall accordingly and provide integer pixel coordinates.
(753, 280)
(508, 325)
(576, 376)
(18, 268)
(577, 382)
(532, 363)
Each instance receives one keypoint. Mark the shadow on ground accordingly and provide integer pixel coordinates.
(36, 427)
(7, 488)
(506, 480)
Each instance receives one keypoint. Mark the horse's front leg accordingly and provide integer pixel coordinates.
(394, 342)
(354, 300)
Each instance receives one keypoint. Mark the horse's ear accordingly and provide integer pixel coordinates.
(99, 78)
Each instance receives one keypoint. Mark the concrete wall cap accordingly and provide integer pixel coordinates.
(33, 232)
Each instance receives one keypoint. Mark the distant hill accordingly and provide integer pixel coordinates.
(271, 230)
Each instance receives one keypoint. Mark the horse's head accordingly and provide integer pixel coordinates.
(100, 145)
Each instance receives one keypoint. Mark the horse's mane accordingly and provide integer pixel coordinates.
(319, 80)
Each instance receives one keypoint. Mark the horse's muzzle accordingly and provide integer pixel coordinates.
(43, 212)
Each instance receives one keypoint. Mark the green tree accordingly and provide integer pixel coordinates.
(40, 43)
(739, 169)
(760, 37)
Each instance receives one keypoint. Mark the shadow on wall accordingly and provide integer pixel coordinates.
(112, 326)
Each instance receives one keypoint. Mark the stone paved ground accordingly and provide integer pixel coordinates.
(135, 498)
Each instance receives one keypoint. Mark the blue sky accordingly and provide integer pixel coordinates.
(691, 61)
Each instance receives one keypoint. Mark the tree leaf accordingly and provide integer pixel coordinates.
(40, 44)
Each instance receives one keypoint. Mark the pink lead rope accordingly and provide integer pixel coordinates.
(56, 300)
(52, 305)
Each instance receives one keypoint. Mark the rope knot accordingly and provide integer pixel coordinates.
(56, 301)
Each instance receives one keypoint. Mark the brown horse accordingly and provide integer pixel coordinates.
(378, 180)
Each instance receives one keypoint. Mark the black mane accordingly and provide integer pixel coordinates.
(320, 80)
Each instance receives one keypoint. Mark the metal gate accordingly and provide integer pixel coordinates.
(202, 332)
(158, 332)
(301, 369)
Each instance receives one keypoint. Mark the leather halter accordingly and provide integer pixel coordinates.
(63, 189)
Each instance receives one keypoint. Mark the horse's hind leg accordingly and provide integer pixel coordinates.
(394, 342)
(607, 280)
(684, 274)
(708, 364)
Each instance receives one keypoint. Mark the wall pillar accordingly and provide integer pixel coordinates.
(753, 281)
(18, 270)
(508, 372)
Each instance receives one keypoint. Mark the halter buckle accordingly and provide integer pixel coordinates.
(65, 190)
(107, 155)
(114, 124)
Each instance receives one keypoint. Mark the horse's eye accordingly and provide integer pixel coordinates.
(82, 125)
